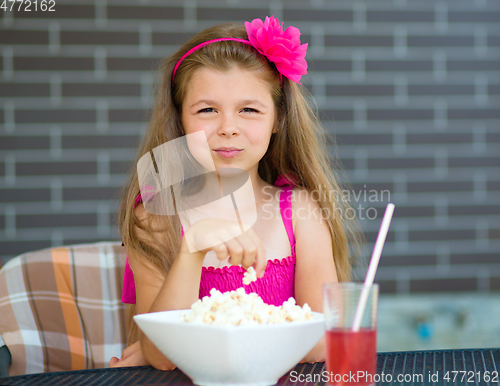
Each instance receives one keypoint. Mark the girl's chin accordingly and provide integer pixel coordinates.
(230, 170)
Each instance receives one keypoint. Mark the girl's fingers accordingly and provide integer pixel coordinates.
(228, 245)
(244, 249)
(135, 359)
(220, 248)
(221, 251)
(261, 264)
(260, 257)
(113, 361)
(236, 251)
(131, 349)
(249, 250)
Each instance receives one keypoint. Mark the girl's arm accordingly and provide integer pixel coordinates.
(314, 260)
(148, 282)
(179, 289)
(154, 293)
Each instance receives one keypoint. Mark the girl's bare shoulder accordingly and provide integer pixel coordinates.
(304, 205)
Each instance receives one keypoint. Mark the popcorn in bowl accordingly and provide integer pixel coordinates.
(230, 354)
(239, 308)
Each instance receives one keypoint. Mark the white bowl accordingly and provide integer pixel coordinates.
(248, 355)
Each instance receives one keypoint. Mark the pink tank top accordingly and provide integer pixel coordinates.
(277, 284)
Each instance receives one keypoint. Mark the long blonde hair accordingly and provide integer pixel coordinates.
(297, 149)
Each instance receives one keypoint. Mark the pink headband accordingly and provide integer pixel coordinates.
(201, 45)
(283, 48)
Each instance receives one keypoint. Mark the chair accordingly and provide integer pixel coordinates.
(61, 309)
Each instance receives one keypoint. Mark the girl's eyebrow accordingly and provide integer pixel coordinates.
(203, 101)
(211, 102)
(252, 101)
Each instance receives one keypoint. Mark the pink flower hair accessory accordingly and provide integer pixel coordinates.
(283, 48)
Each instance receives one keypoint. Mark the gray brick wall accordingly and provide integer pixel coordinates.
(409, 88)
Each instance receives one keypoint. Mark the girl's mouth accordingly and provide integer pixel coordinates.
(228, 153)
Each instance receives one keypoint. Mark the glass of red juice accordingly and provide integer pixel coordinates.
(351, 355)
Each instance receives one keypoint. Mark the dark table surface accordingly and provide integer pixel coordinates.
(444, 367)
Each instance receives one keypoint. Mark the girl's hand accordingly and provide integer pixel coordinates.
(225, 238)
(132, 356)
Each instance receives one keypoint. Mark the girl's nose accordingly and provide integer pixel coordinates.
(228, 126)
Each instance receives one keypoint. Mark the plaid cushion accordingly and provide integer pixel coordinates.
(61, 308)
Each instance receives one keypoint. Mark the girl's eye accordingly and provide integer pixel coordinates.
(249, 110)
(206, 110)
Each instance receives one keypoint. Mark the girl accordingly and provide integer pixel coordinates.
(240, 86)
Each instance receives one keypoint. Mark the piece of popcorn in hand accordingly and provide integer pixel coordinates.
(249, 276)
